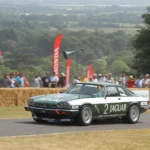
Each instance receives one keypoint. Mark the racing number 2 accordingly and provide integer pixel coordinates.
(106, 108)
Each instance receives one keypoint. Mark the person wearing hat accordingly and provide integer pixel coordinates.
(62, 80)
(130, 82)
(99, 77)
(54, 80)
(94, 78)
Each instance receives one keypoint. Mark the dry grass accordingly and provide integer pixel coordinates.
(105, 140)
(13, 112)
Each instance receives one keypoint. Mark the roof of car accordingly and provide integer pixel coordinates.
(99, 83)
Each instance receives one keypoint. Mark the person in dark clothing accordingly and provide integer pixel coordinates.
(62, 81)
(46, 80)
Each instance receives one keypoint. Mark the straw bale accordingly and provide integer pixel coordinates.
(19, 96)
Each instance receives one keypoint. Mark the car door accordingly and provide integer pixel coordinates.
(111, 105)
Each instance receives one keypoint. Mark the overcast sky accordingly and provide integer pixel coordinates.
(100, 2)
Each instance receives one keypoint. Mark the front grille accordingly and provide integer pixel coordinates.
(43, 105)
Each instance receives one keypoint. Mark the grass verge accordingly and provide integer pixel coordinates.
(112, 140)
(13, 112)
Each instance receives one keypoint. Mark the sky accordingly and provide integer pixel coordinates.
(100, 2)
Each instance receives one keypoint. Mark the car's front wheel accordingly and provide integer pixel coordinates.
(38, 119)
(85, 116)
(133, 114)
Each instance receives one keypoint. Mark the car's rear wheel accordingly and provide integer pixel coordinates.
(133, 114)
(85, 116)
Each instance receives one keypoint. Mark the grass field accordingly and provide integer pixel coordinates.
(102, 140)
(18, 112)
(13, 112)
(107, 30)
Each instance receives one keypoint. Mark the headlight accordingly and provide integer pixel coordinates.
(30, 102)
(75, 107)
(64, 105)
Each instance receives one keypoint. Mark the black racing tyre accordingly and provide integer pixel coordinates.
(133, 114)
(85, 116)
(37, 119)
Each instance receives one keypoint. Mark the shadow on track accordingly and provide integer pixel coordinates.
(71, 123)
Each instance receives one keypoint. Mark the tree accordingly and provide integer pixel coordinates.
(141, 43)
(117, 67)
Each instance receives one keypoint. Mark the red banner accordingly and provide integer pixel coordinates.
(0, 53)
(91, 72)
(68, 64)
(89, 67)
(56, 54)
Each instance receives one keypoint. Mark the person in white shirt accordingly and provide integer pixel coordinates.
(122, 80)
(110, 79)
(76, 79)
(146, 81)
(103, 78)
(36, 80)
(54, 80)
(94, 78)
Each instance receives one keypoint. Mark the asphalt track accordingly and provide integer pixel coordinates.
(19, 127)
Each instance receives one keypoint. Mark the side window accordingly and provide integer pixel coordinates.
(121, 91)
(112, 91)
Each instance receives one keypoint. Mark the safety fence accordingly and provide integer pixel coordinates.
(19, 96)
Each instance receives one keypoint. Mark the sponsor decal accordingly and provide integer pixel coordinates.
(45, 99)
(56, 54)
(118, 107)
(114, 108)
(96, 107)
(144, 103)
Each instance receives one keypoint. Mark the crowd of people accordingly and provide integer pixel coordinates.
(129, 82)
(15, 79)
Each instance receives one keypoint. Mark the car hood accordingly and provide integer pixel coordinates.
(55, 98)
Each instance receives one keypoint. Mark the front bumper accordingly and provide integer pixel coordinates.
(52, 113)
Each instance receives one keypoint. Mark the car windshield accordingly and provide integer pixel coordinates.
(86, 89)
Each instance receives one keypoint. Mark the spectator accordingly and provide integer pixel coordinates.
(110, 79)
(76, 79)
(62, 80)
(94, 78)
(103, 78)
(116, 81)
(46, 80)
(36, 80)
(5, 81)
(54, 80)
(84, 79)
(12, 80)
(122, 80)
(139, 82)
(146, 81)
(26, 83)
(131, 82)
(99, 77)
(20, 80)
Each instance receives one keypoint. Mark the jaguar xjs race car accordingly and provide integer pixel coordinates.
(84, 102)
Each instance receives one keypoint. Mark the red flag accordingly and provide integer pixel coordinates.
(91, 72)
(68, 64)
(0, 53)
(89, 67)
(56, 54)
